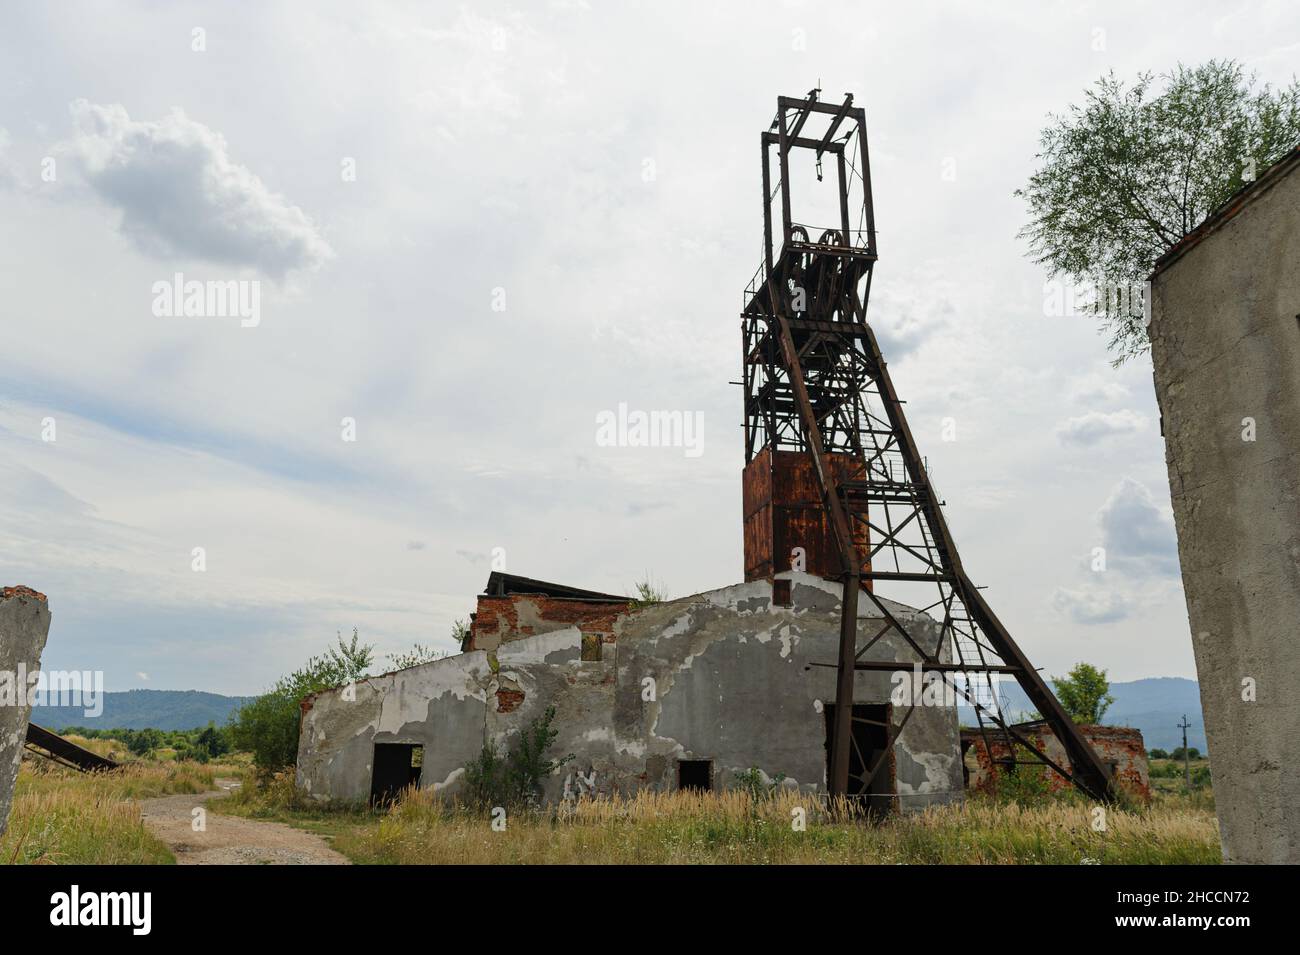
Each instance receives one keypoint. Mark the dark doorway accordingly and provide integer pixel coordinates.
(868, 750)
(695, 774)
(396, 766)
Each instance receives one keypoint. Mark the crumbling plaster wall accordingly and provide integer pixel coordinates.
(1225, 345)
(24, 625)
(724, 676)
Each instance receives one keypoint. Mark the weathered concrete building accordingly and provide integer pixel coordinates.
(1225, 344)
(681, 694)
(24, 625)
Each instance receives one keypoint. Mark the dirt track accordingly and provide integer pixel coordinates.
(230, 840)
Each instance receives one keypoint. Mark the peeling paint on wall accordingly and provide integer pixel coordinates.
(724, 676)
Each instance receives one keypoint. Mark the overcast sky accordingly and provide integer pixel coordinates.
(477, 227)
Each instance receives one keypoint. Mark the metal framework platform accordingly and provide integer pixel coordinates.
(815, 381)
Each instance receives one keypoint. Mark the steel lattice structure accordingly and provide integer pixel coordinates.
(815, 382)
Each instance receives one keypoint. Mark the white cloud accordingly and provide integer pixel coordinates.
(1097, 387)
(1138, 534)
(181, 194)
(1094, 427)
(903, 321)
(1091, 606)
(1141, 567)
(516, 164)
(10, 177)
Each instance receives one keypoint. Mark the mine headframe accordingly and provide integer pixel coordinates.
(818, 396)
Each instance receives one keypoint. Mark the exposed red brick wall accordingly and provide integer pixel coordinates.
(1121, 745)
(508, 700)
(502, 619)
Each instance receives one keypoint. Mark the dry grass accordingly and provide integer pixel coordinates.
(732, 828)
(64, 817)
(61, 816)
(114, 749)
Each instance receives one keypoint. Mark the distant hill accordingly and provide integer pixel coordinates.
(142, 709)
(1155, 706)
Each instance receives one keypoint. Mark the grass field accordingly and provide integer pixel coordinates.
(683, 827)
(1167, 775)
(64, 817)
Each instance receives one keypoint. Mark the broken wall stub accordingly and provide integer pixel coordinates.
(1225, 347)
(1120, 748)
(516, 616)
(24, 625)
(724, 676)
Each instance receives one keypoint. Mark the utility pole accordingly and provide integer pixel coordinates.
(1187, 771)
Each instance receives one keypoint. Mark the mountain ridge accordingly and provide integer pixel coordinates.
(1155, 705)
(145, 709)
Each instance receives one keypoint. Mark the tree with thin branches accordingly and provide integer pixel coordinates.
(1135, 168)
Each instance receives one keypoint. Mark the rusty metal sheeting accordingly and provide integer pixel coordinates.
(783, 510)
(55, 747)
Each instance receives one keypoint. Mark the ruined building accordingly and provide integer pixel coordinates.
(686, 693)
(837, 500)
(988, 757)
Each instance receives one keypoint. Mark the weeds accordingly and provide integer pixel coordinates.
(756, 785)
(514, 780)
(733, 827)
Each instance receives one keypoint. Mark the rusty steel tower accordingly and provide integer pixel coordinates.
(833, 478)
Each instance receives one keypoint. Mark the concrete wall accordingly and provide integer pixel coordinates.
(1225, 344)
(24, 624)
(732, 683)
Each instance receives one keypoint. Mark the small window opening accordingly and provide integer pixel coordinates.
(695, 774)
(396, 767)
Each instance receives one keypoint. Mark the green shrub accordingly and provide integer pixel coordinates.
(485, 779)
(750, 781)
(267, 727)
(144, 742)
(1084, 693)
(648, 593)
(515, 780)
(212, 742)
(1025, 784)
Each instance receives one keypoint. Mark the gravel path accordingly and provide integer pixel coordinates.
(231, 840)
